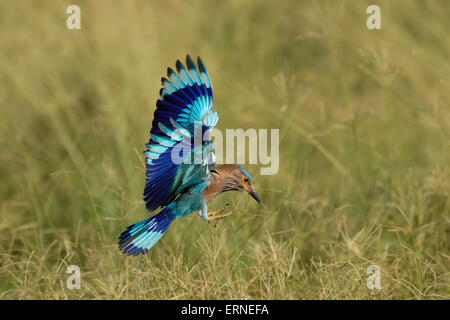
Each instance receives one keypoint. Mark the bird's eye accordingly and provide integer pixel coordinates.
(245, 179)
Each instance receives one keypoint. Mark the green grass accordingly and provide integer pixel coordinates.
(364, 121)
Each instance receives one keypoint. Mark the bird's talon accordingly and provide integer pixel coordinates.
(218, 217)
(217, 212)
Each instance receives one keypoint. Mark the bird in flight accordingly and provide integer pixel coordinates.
(181, 174)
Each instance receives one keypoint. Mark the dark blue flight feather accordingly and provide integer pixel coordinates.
(186, 98)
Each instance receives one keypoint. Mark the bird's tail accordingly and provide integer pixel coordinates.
(141, 236)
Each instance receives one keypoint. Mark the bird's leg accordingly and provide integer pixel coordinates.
(215, 213)
(218, 217)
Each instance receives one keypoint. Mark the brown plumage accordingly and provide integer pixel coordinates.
(228, 177)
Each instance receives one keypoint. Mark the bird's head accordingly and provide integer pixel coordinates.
(245, 183)
(231, 177)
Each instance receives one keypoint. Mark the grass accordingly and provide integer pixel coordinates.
(364, 121)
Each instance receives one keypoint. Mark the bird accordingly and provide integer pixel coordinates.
(181, 174)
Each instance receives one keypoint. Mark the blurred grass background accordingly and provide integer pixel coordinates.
(364, 121)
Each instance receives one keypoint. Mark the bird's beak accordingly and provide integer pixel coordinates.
(255, 195)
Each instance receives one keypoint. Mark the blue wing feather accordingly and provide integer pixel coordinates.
(186, 97)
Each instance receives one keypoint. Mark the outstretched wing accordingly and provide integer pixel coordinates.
(185, 104)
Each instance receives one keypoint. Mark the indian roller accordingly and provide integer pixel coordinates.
(181, 173)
